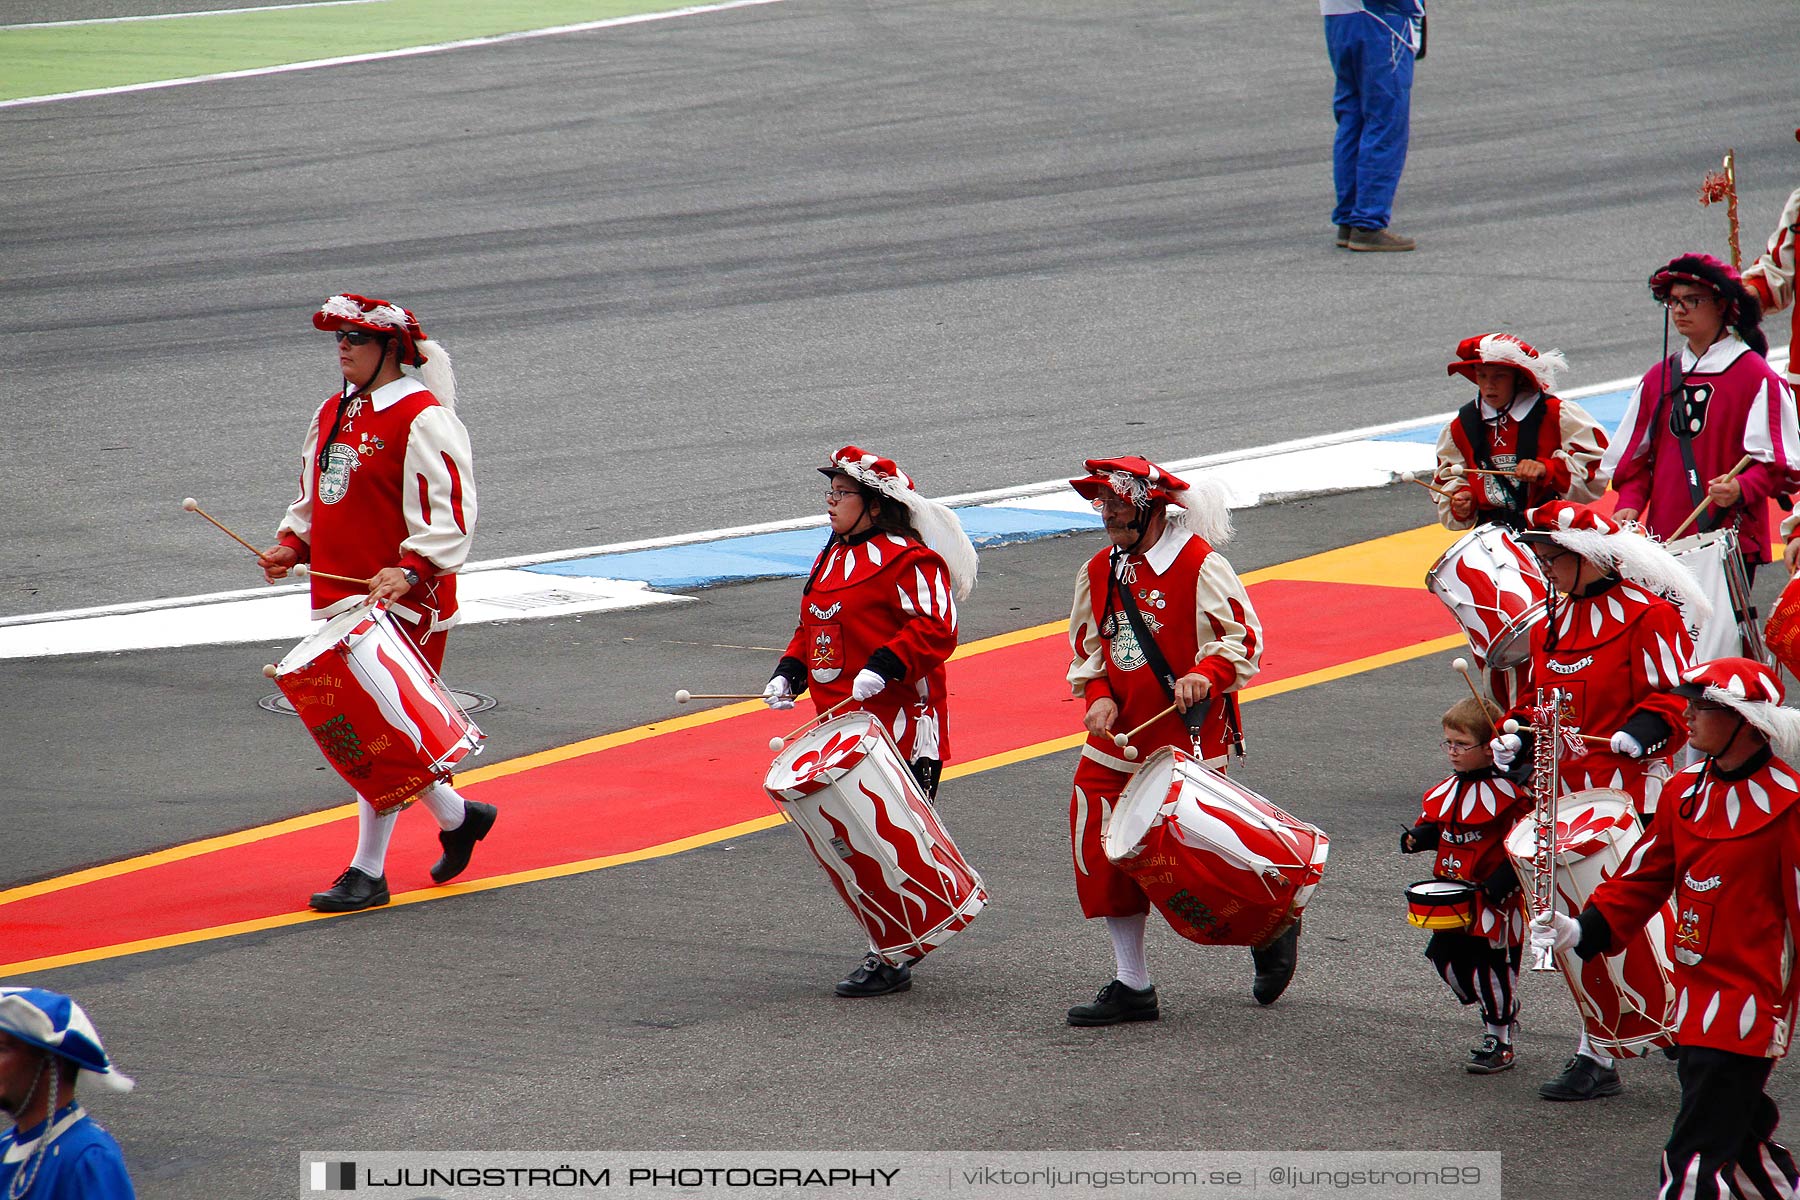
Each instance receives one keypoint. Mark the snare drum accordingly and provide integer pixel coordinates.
(1223, 865)
(1627, 997)
(845, 787)
(1717, 565)
(1494, 589)
(382, 716)
(1440, 904)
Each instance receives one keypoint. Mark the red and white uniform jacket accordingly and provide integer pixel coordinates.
(1556, 432)
(874, 592)
(1197, 610)
(1614, 651)
(1771, 277)
(1734, 404)
(1470, 815)
(398, 490)
(1729, 850)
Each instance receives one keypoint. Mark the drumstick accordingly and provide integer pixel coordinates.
(1124, 739)
(777, 744)
(1511, 726)
(303, 569)
(1705, 504)
(1458, 470)
(1438, 490)
(193, 506)
(1461, 666)
(682, 696)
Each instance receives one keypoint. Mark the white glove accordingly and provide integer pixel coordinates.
(1505, 748)
(778, 694)
(1624, 743)
(1554, 931)
(866, 684)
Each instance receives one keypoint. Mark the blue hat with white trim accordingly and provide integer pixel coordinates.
(52, 1021)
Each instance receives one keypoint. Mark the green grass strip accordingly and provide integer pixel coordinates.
(45, 62)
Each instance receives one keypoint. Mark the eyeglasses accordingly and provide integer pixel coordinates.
(1704, 706)
(355, 337)
(834, 495)
(1455, 747)
(1546, 556)
(1686, 304)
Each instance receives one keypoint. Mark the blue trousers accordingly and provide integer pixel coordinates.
(1372, 103)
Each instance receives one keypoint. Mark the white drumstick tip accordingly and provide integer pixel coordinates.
(270, 671)
(191, 504)
(1459, 664)
(300, 570)
(1120, 739)
(682, 696)
(1509, 726)
(1131, 753)
(1458, 470)
(776, 744)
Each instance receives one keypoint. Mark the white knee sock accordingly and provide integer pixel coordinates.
(372, 835)
(444, 804)
(1587, 1048)
(1128, 950)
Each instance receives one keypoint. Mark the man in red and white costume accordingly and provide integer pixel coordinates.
(1726, 843)
(1515, 423)
(1614, 645)
(1771, 277)
(1164, 559)
(1718, 398)
(877, 624)
(387, 494)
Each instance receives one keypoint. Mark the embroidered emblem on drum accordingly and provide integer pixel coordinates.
(1687, 416)
(1198, 915)
(817, 762)
(1127, 655)
(1570, 668)
(1701, 885)
(334, 480)
(338, 739)
(824, 614)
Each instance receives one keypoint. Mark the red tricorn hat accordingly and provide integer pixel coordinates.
(349, 310)
(1505, 350)
(1131, 478)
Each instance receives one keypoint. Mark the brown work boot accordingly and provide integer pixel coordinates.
(1379, 239)
(1343, 236)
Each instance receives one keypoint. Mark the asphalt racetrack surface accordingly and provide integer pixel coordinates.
(677, 263)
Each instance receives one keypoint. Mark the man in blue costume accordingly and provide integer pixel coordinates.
(54, 1150)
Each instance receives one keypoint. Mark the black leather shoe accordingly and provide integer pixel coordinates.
(1343, 236)
(459, 843)
(1582, 1079)
(1493, 1057)
(1117, 1003)
(875, 978)
(352, 892)
(1275, 965)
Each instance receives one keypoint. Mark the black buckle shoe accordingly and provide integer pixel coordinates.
(1493, 1057)
(1582, 1079)
(875, 978)
(1117, 1003)
(1275, 964)
(459, 843)
(353, 892)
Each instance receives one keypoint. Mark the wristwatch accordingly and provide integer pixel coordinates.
(412, 576)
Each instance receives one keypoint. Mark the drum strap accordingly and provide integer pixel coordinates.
(1712, 518)
(1158, 663)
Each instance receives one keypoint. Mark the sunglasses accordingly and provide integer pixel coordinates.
(355, 337)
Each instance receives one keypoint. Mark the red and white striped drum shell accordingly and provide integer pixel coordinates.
(1223, 865)
(380, 714)
(845, 787)
(1627, 998)
(1493, 587)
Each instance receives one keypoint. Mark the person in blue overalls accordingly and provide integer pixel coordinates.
(1372, 44)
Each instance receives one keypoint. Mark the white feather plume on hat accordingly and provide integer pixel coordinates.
(937, 524)
(1642, 561)
(1204, 508)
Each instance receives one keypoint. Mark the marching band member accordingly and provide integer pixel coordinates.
(1515, 423)
(1466, 819)
(1727, 845)
(1695, 414)
(1613, 644)
(387, 493)
(1771, 277)
(1162, 574)
(877, 624)
(52, 1149)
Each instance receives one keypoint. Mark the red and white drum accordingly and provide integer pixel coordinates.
(1440, 904)
(1223, 865)
(844, 785)
(1493, 587)
(1782, 634)
(1717, 565)
(379, 712)
(1627, 998)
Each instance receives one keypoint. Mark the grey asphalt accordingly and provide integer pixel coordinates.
(677, 263)
(677, 260)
